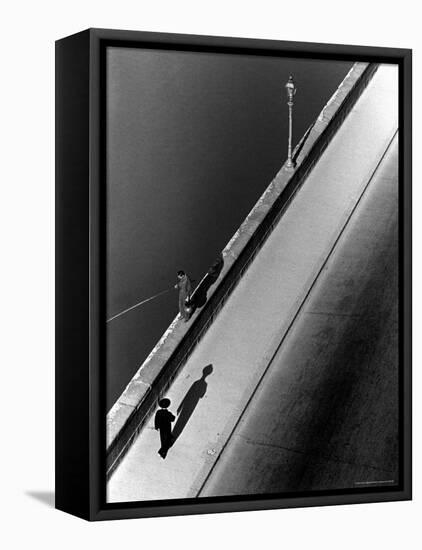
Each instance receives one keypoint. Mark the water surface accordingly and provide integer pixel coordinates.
(193, 140)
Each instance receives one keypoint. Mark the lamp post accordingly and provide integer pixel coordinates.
(291, 91)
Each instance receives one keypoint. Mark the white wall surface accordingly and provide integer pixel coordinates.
(27, 273)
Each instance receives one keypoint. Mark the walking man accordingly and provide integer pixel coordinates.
(184, 286)
(162, 422)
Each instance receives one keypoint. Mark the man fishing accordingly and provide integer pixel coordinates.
(185, 287)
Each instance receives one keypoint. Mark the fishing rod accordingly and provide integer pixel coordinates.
(209, 272)
(144, 302)
(139, 304)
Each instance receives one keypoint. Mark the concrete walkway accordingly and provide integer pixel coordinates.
(247, 332)
(325, 415)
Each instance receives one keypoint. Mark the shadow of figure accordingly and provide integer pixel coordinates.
(190, 401)
(199, 297)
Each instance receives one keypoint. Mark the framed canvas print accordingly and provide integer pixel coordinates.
(233, 274)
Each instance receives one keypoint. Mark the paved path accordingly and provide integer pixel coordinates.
(325, 415)
(244, 337)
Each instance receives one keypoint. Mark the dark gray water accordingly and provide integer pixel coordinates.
(193, 141)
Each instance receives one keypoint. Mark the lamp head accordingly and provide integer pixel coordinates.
(290, 88)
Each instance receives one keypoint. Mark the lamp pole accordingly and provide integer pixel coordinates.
(291, 91)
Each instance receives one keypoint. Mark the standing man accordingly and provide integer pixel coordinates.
(162, 423)
(184, 286)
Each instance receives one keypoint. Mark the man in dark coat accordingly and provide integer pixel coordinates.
(184, 286)
(162, 422)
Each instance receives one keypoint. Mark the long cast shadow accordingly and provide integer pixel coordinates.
(199, 297)
(190, 401)
(301, 144)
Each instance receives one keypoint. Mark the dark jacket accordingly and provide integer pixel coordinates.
(184, 286)
(163, 419)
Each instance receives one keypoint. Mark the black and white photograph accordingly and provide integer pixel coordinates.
(210, 275)
(252, 275)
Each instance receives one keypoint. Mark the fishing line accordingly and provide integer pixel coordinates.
(138, 304)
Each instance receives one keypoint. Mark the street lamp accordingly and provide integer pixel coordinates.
(291, 91)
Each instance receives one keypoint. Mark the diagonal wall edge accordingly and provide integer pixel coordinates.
(152, 380)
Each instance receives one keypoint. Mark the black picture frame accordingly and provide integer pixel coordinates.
(80, 274)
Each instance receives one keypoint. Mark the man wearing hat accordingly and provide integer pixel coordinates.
(162, 422)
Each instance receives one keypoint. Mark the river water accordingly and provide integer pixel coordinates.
(193, 140)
